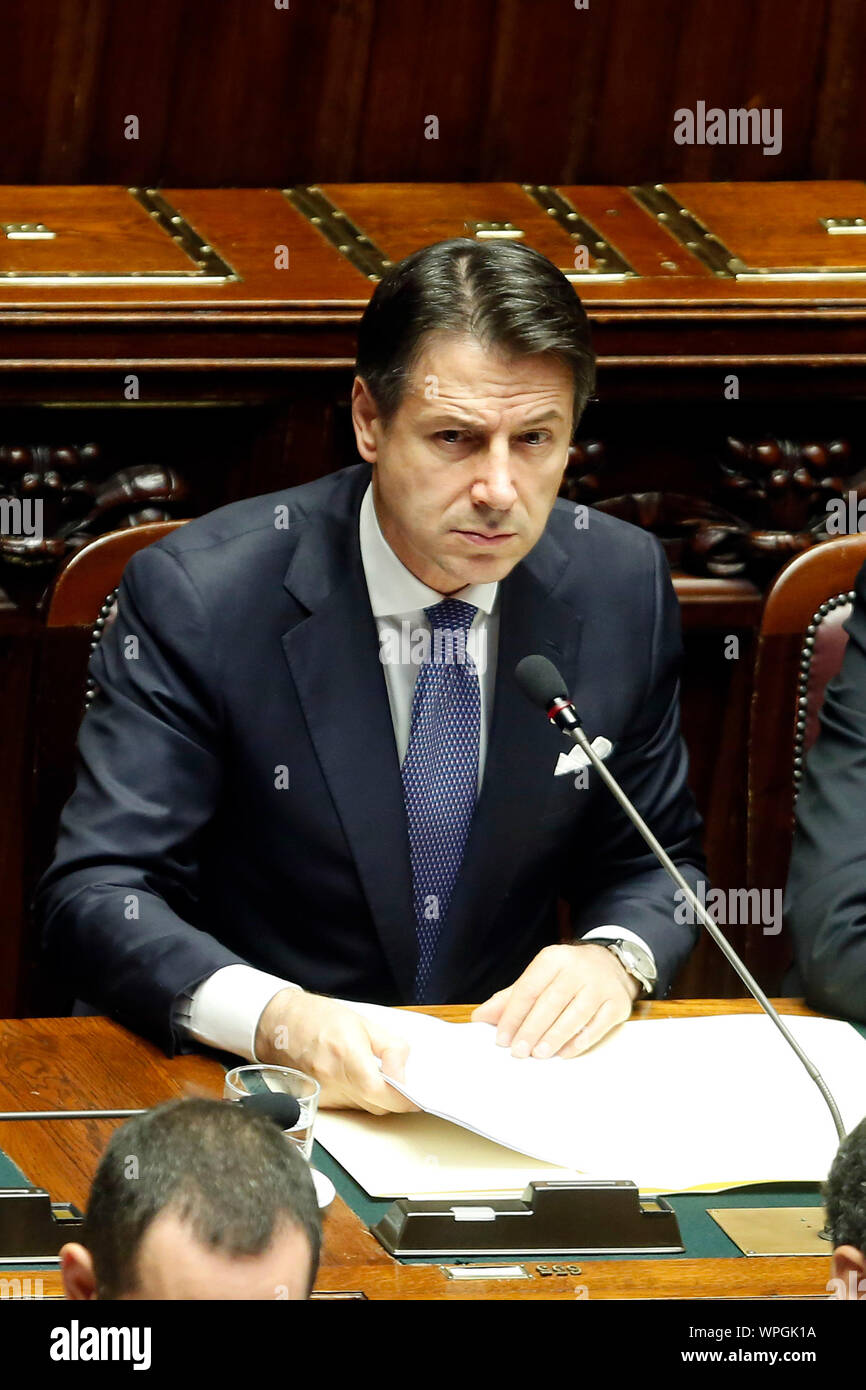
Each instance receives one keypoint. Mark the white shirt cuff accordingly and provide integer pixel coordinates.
(224, 1010)
(611, 933)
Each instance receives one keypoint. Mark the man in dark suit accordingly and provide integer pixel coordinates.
(825, 897)
(309, 771)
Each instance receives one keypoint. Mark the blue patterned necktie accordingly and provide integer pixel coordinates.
(440, 773)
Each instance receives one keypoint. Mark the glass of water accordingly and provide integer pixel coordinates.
(258, 1079)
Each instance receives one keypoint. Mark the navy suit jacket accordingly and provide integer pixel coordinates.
(244, 655)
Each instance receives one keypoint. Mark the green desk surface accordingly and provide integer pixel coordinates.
(10, 1174)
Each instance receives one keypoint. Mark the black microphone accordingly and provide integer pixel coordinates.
(540, 681)
(283, 1109)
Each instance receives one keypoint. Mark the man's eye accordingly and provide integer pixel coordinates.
(460, 434)
(540, 436)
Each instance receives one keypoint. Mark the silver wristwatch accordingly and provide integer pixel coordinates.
(636, 961)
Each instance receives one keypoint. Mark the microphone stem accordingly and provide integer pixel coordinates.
(704, 917)
(68, 1114)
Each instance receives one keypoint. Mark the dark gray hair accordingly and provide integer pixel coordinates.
(505, 294)
(845, 1191)
(231, 1175)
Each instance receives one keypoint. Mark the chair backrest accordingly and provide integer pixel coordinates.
(79, 607)
(801, 643)
(94, 572)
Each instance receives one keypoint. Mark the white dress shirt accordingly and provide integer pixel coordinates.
(224, 1010)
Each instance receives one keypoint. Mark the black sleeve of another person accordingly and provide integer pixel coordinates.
(825, 899)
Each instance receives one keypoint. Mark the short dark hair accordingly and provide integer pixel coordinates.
(231, 1175)
(505, 294)
(845, 1191)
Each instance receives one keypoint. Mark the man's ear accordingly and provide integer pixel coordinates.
(365, 415)
(849, 1264)
(76, 1268)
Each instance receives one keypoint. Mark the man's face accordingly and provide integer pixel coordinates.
(466, 474)
(172, 1264)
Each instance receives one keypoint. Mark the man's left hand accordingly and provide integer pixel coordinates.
(567, 998)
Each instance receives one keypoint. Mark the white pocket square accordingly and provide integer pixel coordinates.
(576, 759)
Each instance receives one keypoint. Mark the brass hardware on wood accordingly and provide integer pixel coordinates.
(608, 263)
(688, 229)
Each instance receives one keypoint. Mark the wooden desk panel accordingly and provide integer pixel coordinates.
(61, 1063)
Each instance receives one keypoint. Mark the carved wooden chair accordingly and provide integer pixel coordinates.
(801, 643)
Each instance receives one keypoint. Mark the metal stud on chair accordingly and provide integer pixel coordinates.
(807, 655)
(108, 603)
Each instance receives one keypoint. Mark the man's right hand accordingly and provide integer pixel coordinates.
(336, 1046)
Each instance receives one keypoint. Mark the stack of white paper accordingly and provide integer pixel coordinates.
(671, 1104)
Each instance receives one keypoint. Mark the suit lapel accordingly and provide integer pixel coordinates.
(333, 656)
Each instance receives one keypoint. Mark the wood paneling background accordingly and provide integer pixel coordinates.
(238, 92)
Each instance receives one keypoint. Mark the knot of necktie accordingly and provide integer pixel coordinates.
(450, 622)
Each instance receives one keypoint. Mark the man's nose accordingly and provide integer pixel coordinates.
(493, 485)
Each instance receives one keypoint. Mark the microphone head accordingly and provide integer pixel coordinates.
(283, 1109)
(540, 681)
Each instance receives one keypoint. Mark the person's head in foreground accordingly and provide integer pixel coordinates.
(473, 369)
(845, 1203)
(197, 1199)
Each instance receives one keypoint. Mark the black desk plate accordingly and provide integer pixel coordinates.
(552, 1218)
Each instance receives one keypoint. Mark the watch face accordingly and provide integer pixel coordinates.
(637, 960)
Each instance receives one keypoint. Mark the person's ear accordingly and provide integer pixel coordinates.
(76, 1269)
(848, 1264)
(365, 415)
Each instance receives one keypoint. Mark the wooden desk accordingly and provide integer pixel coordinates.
(66, 1063)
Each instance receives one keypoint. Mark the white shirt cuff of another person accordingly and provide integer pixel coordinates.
(610, 933)
(224, 1010)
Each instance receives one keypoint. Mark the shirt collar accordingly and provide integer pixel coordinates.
(392, 587)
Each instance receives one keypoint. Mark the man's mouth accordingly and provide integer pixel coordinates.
(487, 538)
